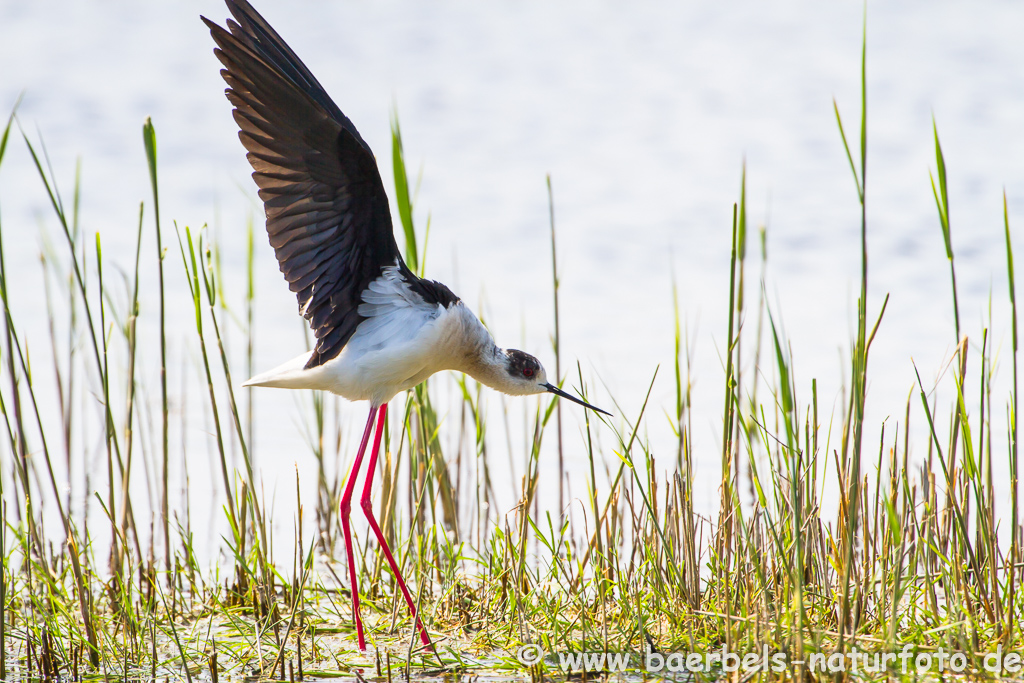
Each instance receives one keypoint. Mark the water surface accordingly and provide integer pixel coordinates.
(643, 114)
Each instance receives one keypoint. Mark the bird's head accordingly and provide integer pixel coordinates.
(527, 376)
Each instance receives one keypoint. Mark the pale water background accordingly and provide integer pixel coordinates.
(643, 113)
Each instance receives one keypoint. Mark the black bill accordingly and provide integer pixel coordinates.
(558, 392)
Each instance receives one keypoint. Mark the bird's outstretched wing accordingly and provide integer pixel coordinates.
(327, 212)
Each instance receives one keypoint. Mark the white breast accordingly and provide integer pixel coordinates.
(403, 341)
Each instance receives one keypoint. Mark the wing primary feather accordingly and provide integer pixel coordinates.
(328, 218)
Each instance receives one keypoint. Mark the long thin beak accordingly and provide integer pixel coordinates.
(558, 392)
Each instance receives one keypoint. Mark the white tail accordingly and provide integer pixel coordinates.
(290, 375)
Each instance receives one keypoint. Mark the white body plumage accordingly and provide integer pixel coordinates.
(403, 341)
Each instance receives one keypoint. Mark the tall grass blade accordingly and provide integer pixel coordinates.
(1015, 533)
(149, 141)
(402, 198)
(556, 342)
(941, 195)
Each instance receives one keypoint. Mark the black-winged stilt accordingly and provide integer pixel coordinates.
(379, 328)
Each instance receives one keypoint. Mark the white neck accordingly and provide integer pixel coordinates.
(481, 358)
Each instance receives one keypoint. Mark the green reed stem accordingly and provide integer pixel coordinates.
(149, 140)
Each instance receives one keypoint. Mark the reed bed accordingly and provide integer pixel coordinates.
(910, 556)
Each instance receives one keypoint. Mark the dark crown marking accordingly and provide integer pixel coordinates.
(521, 364)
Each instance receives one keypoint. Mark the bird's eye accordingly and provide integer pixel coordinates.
(527, 372)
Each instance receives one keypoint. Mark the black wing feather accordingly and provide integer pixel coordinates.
(327, 213)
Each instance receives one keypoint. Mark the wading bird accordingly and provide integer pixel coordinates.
(379, 328)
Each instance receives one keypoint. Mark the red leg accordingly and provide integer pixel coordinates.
(346, 510)
(368, 510)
